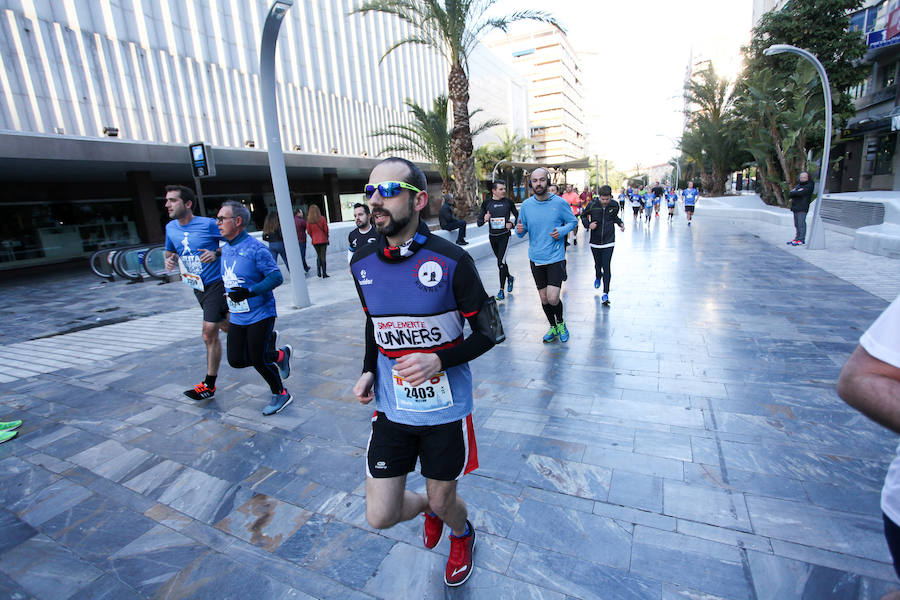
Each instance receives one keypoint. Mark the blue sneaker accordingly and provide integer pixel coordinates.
(605, 298)
(500, 295)
(562, 332)
(510, 280)
(278, 402)
(596, 284)
(284, 365)
(550, 335)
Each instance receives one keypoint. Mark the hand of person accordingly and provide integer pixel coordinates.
(239, 294)
(487, 217)
(520, 228)
(171, 262)
(208, 256)
(554, 234)
(621, 228)
(418, 367)
(362, 389)
(509, 225)
(593, 224)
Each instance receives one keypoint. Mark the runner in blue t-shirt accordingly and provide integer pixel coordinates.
(689, 194)
(249, 274)
(192, 246)
(547, 218)
(671, 199)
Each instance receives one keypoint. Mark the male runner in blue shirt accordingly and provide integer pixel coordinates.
(689, 194)
(192, 244)
(547, 218)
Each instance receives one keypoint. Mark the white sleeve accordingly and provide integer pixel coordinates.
(882, 338)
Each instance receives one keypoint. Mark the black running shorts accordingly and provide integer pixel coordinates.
(553, 274)
(446, 452)
(892, 536)
(688, 208)
(212, 300)
(636, 209)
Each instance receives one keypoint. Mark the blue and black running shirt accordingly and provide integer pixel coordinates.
(415, 301)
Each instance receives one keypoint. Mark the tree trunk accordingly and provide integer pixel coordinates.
(461, 142)
(775, 188)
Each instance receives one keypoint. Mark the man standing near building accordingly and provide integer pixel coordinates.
(249, 274)
(416, 288)
(689, 194)
(547, 219)
(501, 214)
(870, 383)
(600, 219)
(574, 202)
(449, 222)
(192, 244)
(801, 198)
(300, 225)
(364, 232)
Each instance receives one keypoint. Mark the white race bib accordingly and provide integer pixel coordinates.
(237, 307)
(432, 395)
(190, 278)
(498, 223)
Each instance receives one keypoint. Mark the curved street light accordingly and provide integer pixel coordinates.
(273, 144)
(817, 229)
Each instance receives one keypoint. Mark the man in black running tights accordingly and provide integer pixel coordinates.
(501, 214)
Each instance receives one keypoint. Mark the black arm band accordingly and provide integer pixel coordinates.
(370, 362)
(469, 349)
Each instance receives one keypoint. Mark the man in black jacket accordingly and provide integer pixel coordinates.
(801, 197)
(449, 221)
(600, 218)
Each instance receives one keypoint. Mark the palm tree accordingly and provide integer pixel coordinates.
(452, 28)
(428, 135)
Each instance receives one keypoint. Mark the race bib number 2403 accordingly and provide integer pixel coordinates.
(432, 395)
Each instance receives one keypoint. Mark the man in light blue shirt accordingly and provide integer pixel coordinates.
(547, 218)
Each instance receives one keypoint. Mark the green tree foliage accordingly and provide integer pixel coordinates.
(428, 135)
(510, 147)
(779, 106)
(453, 28)
(712, 141)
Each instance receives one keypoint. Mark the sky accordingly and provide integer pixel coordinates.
(634, 55)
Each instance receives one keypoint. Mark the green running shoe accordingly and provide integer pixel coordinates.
(9, 425)
(563, 332)
(550, 335)
(5, 436)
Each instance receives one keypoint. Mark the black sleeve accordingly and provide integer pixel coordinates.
(370, 362)
(586, 217)
(470, 297)
(618, 220)
(513, 210)
(480, 220)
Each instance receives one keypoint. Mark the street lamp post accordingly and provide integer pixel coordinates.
(817, 230)
(273, 143)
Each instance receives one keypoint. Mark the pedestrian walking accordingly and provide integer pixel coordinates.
(272, 235)
(317, 227)
(300, 226)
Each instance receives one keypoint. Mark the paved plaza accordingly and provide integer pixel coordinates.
(686, 443)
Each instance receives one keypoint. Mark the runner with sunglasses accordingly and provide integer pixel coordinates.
(250, 274)
(501, 213)
(546, 219)
(416, 288)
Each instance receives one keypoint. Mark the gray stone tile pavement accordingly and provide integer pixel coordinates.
(686, 443)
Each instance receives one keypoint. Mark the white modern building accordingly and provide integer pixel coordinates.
(99, 99)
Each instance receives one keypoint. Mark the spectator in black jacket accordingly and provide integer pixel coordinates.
(449, 221)
(801, 197)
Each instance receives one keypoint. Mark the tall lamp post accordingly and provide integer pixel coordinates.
(817, 230)
(273, 143)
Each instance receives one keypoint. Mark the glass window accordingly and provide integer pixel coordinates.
(887, 74)
(858, 21)
(884, 157)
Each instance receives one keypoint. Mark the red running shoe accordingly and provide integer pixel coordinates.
(460, 562)
(434, 527)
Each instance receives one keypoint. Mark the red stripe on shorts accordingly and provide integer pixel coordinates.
(472, 462)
